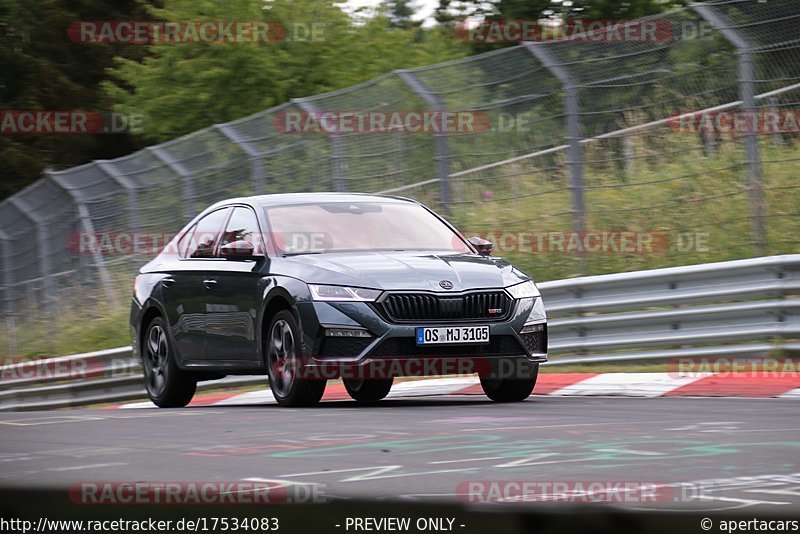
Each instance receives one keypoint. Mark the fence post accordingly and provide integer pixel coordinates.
(573, 130)
(43, 241)
(185, 176)
(133, 201)
(338, 166)
(256, 166)
(88, 227)
(746, 75)
(8, 294)
(442, 146)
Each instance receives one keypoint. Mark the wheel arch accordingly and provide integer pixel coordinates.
(278, 299)
(151, 310)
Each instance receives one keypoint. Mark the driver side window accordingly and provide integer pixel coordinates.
(243, 226)
(204, 238)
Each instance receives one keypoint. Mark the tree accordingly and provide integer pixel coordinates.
(43, 70)
(181, 88)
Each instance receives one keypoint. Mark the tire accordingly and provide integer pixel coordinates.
(167, 385)
(282, 353)
(510, 389)
(367, 390)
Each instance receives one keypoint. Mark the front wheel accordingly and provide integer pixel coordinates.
(510, 389)
(284, 365)
(167, 385)
(367, 390)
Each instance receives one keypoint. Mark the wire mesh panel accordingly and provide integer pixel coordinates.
(107, 237)
(217, 168)
(771, 28)
(780, 159)
(290, 160)
(56, 224)
(664, 193)
(374, 142)
(517, 105)
(21, 257)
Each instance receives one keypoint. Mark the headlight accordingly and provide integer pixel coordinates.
(523, 290)
(343, 294)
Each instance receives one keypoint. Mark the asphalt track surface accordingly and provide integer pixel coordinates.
(701, 454)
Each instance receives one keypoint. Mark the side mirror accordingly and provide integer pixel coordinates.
(238, 250)
(483, 246)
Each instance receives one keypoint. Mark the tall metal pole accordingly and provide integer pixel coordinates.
(747, 77)
(256, 166)
(573, 131)
(185, 176)
(441, 145)
(338, 166)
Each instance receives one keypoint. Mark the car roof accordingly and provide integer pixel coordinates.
(282, 199)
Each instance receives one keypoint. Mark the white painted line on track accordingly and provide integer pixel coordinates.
(81, 467)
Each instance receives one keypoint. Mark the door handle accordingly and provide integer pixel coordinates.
(167, 282)
(209, 283)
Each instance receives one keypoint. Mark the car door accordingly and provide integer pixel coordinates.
(232, 303)
(184, 291)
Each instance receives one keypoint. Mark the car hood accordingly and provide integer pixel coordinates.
(401, 270)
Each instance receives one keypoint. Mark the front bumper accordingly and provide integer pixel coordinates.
(392, 342)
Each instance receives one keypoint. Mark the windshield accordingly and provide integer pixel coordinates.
(359, 226)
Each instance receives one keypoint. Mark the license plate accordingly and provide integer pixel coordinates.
(452, 334)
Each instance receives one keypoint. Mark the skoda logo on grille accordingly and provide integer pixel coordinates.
(446, 284)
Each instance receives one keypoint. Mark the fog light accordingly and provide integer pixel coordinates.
(346, 332)
(531, 328)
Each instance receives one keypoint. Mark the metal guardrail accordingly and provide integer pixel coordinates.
(733, 309)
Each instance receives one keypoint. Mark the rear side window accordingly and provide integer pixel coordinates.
(242, 226)
(204, 238)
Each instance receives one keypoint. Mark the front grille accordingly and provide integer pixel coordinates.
(416, 307)
(535, 342)
(400, 347)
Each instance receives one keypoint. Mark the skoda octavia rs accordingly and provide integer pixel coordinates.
(314, 286)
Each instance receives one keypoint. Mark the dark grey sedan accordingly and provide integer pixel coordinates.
(316, 286)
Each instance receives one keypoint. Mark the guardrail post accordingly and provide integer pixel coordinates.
(185, 176)
(256, 165)
(338, 166)
(442, 147)
(747, 76)
(573, 130)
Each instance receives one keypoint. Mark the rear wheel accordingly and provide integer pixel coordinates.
(367, 390)
(510, 389)
(284, 365)
(167, 385)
